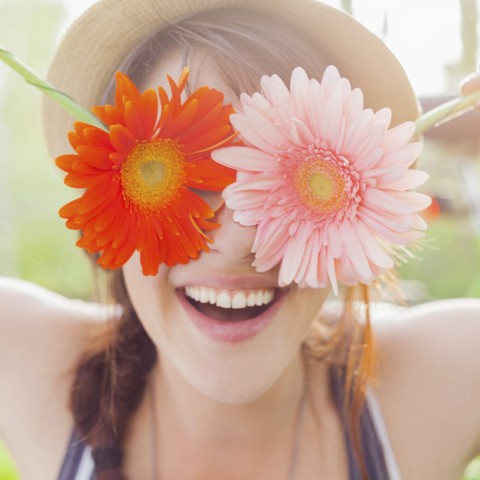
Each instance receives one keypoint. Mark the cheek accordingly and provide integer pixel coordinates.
(304, 307)
(149, 296)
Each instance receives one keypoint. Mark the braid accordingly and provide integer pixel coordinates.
(109, 386)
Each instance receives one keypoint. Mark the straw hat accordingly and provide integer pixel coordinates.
(98, 41)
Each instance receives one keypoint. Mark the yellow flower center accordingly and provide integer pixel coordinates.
(320, 185)
(153, 173)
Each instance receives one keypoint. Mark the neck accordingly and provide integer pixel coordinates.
(215, 426)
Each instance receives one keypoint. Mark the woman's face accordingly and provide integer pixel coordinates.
(229, 354)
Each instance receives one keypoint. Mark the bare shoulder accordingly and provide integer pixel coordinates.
(429, 384)
(41, 326)
(42, 337)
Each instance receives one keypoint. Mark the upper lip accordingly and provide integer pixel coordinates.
(226, 281)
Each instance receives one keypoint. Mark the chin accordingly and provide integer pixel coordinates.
(232, 379)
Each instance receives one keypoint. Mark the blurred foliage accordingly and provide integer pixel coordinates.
(34, 244)
(447, 260)
(7, 469)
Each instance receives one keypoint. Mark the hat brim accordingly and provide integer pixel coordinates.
(98, 41)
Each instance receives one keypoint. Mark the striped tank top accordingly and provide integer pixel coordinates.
(377, 452)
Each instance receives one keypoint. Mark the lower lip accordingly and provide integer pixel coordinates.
(231, 332)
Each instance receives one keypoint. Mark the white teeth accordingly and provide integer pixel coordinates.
(239, 300)
(203, 295)
(224, 300)
(212, 297)
(268, 296)
(231, 298)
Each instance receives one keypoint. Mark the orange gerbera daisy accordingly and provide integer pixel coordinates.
(138, 176)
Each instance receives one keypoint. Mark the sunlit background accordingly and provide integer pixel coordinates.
(435, 40)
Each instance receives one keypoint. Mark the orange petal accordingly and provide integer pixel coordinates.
(77, 180)
(65, 162)
(149, 112)
(125, 88)
(133, 120)
(122, 139)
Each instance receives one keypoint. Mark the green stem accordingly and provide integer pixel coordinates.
(445, 112)
(66, 102)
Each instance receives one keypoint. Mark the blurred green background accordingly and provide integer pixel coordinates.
(34, 245)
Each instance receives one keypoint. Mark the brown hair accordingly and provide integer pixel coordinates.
(110, 383)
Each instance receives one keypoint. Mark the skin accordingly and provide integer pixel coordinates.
(231, 409)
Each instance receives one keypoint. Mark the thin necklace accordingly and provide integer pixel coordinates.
(298, 429)
(297, 435)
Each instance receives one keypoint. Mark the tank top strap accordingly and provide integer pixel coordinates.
(372, 448)
(77, 463)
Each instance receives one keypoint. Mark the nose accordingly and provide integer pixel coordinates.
(232, 239)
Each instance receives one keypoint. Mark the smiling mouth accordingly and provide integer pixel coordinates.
(230, 305)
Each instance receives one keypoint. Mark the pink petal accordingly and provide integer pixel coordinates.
(367, 161)
(269, 245)
(356, 131)
(260, 103)
(264, 127)
(382, 231)
(353, 105)
(419, 223)
(332, 272)
(372, 248)
(317, 101)
(291, 261)
(270, 260)
(405, 155)
(275, 90)
(344, 87)
(356, 253)
(410, 179)
(330, 78)
(269, 233)
(330, 119)
(333, 240)
(416, 201)
(299, 88)
(248, 133)
(344, 270)
(370, 141)
(383, 175)
(250, 193)
(249, 218)
(383, 117)
(380, 201)
(245, 158)
(312, 278)
(321, 274)
(308, 258)
(301, 134)
(397, 223)
(398, 136)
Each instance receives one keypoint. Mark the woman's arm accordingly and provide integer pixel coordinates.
(42, 335)
(429, 386)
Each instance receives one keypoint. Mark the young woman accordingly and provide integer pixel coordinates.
(210, 365)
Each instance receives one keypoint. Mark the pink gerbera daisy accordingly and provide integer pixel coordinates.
(324, 180)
